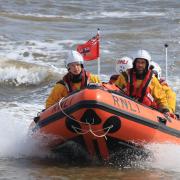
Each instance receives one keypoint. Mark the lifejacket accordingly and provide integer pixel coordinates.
(70, 85)
(143, 94)
(109, 86)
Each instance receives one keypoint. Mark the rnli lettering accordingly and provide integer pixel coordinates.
(66, 103)
(55, 108)
(125, 104)
(131, 108)
(122, 61)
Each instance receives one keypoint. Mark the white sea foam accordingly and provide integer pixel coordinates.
(15, 143)
(37, 52)
(15, 121)
(30, 50)
(31, 16)
(22, 73)
(32, 62)
(86, 15)
(128, 14)
(165, 157)
(114, 14)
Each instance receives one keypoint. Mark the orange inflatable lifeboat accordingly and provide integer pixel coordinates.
(103, 120)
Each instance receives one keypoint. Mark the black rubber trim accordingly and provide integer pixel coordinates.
(110, 109)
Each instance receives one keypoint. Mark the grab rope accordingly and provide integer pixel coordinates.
(93, 132)
(68, 115)
(86, 123)
(103, 135)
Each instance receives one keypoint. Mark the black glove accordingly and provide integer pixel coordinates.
(165, 110)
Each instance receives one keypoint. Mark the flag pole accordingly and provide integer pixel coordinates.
(166, 46)
(98, 60)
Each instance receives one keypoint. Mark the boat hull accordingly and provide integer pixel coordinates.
(104, 122)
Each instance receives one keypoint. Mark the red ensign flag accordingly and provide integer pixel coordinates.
(90, 49)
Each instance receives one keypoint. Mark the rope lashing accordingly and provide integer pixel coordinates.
(78, 130)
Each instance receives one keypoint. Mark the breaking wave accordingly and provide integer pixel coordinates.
(17, 73)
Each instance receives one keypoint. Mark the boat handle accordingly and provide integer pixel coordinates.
(162, 120)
